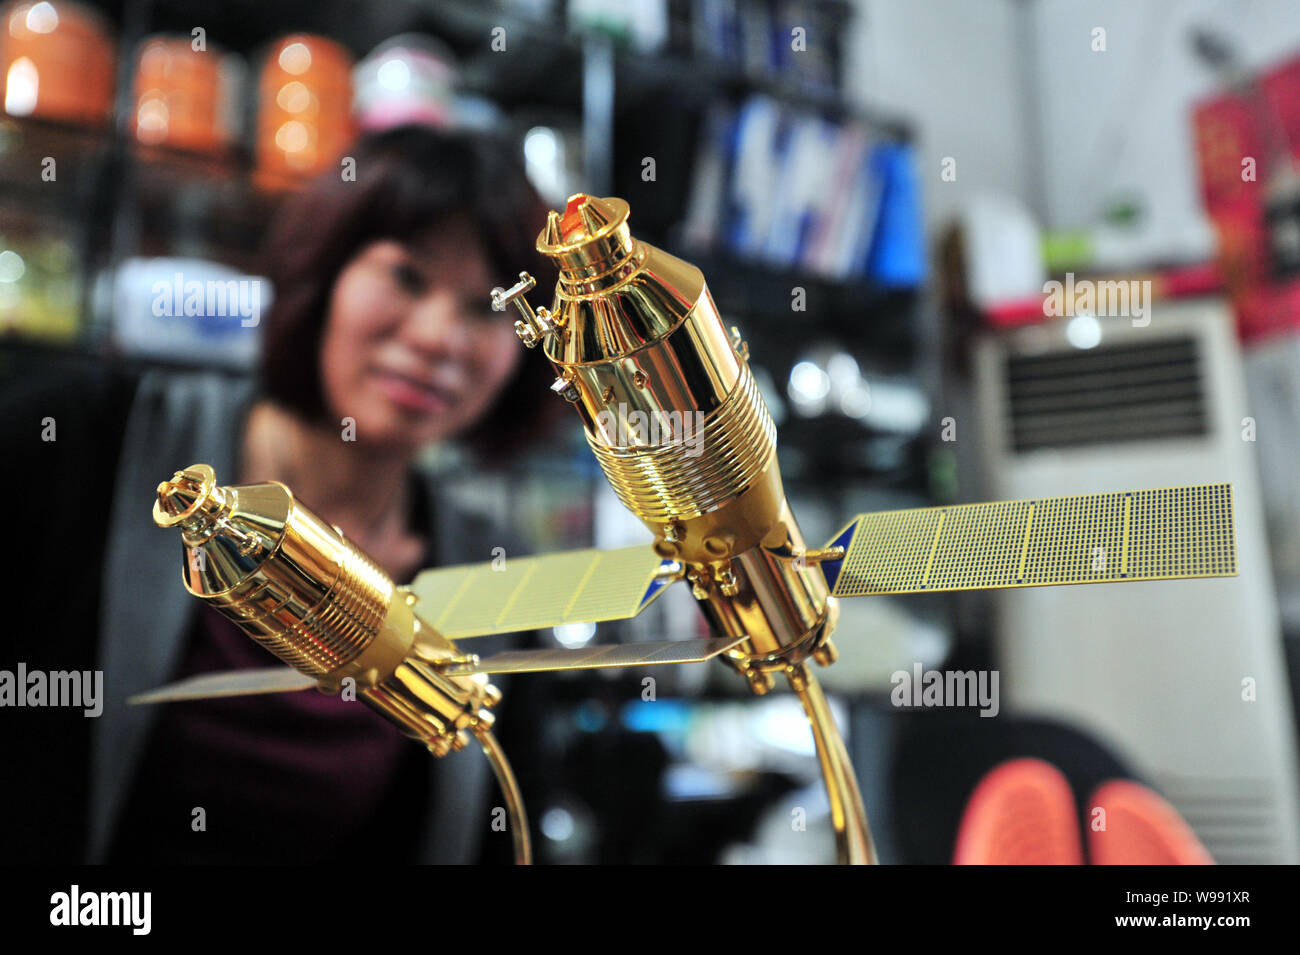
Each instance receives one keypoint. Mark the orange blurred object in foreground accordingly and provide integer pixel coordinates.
(1021, 813)
(1141, 829)
(304, 115)
(57, 60)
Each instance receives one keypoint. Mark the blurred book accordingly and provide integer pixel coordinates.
(897, 249)
(795, 40)
(706, 205)
(791, 189)
(801, 191)
(760, 146)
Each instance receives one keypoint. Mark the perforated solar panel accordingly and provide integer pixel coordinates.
(1171, 533)
(524, 593)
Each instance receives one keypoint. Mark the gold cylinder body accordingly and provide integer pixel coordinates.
(298, 587)
(305, 593)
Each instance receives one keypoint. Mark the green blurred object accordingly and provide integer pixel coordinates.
(39, 288)
(1124, 211)
(1064, 251)
(943, 474)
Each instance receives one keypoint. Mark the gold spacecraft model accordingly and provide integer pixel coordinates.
(676, 421)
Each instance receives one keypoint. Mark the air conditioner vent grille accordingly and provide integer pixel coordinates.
(1106, 395)
(1236, 819)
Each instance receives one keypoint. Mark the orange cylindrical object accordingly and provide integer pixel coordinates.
(304, 116)
(56, 62)
(178, 95)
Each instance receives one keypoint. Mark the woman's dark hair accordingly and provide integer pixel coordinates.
(408, 180)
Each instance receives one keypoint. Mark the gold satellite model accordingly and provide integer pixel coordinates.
(634, 337)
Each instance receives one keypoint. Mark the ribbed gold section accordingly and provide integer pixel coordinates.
(334, 631)
(660, 483)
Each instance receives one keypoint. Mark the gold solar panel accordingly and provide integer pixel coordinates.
(277, 679)
(525, 593)
(1165, 534)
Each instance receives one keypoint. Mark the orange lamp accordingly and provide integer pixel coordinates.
(184, 97)
(57, 60)
(304, 118)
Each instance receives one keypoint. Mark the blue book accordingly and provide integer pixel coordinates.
(897, 254)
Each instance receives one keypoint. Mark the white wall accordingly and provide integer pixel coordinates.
(951, 67)
(1119, 122)
(1014, 92)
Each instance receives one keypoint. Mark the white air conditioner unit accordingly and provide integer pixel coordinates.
(1185, 680)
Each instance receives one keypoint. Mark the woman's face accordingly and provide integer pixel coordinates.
(412, 349)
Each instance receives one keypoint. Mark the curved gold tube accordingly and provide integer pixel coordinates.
(852, 837)
(514, 799)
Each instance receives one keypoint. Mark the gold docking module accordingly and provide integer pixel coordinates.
(295, 585)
